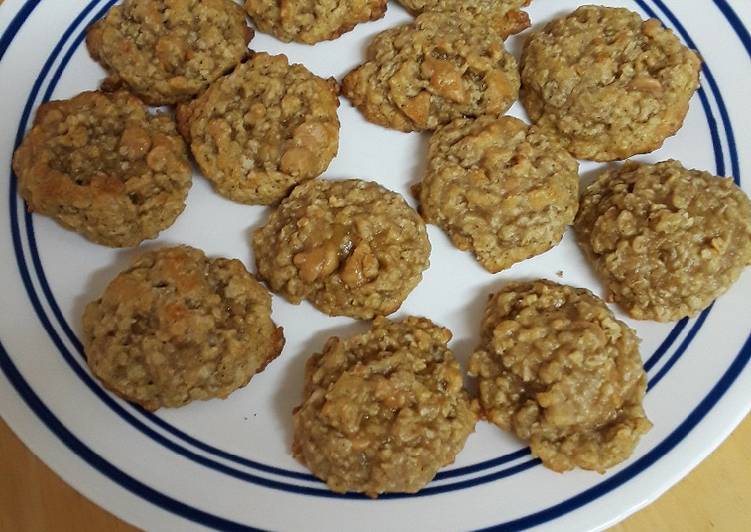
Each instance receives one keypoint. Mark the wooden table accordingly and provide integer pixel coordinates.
(715, 496)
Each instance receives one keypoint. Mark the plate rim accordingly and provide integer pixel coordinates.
(743, 356)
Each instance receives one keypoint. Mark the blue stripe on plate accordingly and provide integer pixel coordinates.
(735, 22)
(15, 25)
(734, 163)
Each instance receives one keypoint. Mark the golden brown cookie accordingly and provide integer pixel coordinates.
(167, 51)
(557, 369)
(262, 129)
(608, 83)
(384, 410)
(312, 21)
(177, 326)
(665, 240)
(502, 16)
(351, 248)
(499, 188)
(439, 68)
(102, 165)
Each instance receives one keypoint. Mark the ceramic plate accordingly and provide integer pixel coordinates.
(226, 464)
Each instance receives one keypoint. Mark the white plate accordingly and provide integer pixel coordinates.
(226, 464)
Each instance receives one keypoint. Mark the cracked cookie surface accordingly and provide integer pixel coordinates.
(384, 410)
(177, 326)
(167, 51)
(607, 83)
(350, 247)
(434, 70)
(665, 240)
(262, 129)
(102, 165)
(499, 188)
(557, 369)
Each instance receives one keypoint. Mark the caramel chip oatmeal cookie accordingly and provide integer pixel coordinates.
(312, 21)
(608, 83)
(498, 188)
(441, 67)
(502, 16)
(666, 241)
(101, 165)
(264, 128)
(352, 248)
(177, 326)
(556, 368)
(167, 51)
(384, 410)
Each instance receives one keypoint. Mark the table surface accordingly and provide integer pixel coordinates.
(715, 496)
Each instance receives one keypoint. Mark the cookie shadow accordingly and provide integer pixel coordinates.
(98, 280)
(289, 394)
(515, 43)
(417, 172)
(250, 231)
(463, 348)
(588, 177)
(472, 313)
(421, 160)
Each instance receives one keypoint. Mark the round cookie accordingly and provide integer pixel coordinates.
(665, 240)
(262, 129)
(351, 248)
(441, 67)
(499, 188)
(167, 51)
(312, 21)
(384, 410)
(177, 326)
(503, 16)
(609, 84)
(102, 165)
(557, 369)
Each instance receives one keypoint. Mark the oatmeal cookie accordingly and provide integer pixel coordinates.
(351, 248)
(441, 67)
(167, 51)
(556, 368)
(312, 21)
(502, 16)
(499, 188)
(262, 129)
(608, 83)
(178, 326)
(665, 240)
(384, 410)
(101, 165)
